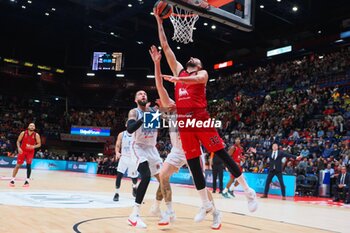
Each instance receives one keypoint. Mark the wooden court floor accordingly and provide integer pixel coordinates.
(50, 188)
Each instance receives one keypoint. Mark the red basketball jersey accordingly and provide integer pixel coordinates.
(28, 140)
(191, 98)
(237, 154)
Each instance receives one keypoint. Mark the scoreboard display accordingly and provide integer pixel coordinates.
(107, 61)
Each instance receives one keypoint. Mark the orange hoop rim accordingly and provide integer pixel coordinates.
(184, 15)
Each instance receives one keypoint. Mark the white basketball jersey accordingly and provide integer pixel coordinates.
(175, 137)
(144, 136)
(127, 140)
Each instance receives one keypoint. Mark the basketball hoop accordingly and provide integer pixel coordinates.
(183, 22)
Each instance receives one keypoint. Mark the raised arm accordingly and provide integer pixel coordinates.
(163, 94)
(200, 77)
(175, 66)
(287, 155)
(133, 124)
(118, 144)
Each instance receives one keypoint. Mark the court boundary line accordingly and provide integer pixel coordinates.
(76, 225)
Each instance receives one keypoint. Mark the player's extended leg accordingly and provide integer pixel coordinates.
(165, 174)
(145, 173)
(14, 174)
(117, 185)
(29, 172)
(20, 160)
(236, 172)
(216, 214)
(199, 181)
(29, 158)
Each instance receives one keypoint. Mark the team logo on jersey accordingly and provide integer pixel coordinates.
(183, 92)
(151, 120)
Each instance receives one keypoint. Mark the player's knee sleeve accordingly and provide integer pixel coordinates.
(144, 170)
(29, 170)
(145, 174)
(230, 164)
(197, 173)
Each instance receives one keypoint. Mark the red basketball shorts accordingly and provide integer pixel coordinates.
(192, 139)
(25, 156)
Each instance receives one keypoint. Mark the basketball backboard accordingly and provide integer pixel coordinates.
(234, 13)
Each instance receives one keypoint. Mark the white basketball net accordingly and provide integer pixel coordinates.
(183, 22)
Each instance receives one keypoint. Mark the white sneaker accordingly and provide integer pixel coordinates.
(136, 221)
(216, 220)
(155, 211)
(252, 200)
(167, 217)
(203, 211)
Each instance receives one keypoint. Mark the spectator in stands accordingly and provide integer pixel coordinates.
(342, 185)
(289, 169)
(327, 151)
(304, 152)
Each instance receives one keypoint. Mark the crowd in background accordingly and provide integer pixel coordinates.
(282, 103)
(299, 73)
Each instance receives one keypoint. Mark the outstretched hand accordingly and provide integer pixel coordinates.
(156, 14)
(170, 78)
(155, 54)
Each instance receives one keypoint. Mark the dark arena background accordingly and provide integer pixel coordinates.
(278, 72)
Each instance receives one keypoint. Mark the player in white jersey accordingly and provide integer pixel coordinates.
(127, 161)
(147, 155)
(176, 158)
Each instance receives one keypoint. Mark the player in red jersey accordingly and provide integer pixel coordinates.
(236, 151)
(27, 142)
(190, 99)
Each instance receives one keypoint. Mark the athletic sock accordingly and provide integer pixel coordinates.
(13, 179)
(203, 193)
(243, 183)
(117, 191)
(169, 206)
(225, 190)
(136, 209)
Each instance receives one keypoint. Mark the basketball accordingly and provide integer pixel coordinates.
(163, 9)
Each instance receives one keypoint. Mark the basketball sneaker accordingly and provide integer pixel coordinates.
(136, 221)
(226, 195)
(155, 211)
(134, 190)
(252, 200)
(12, 183)
(116, 197)
(167, 217)
(203, 211)
(216, 220)
(231, 193)
(26, 184)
